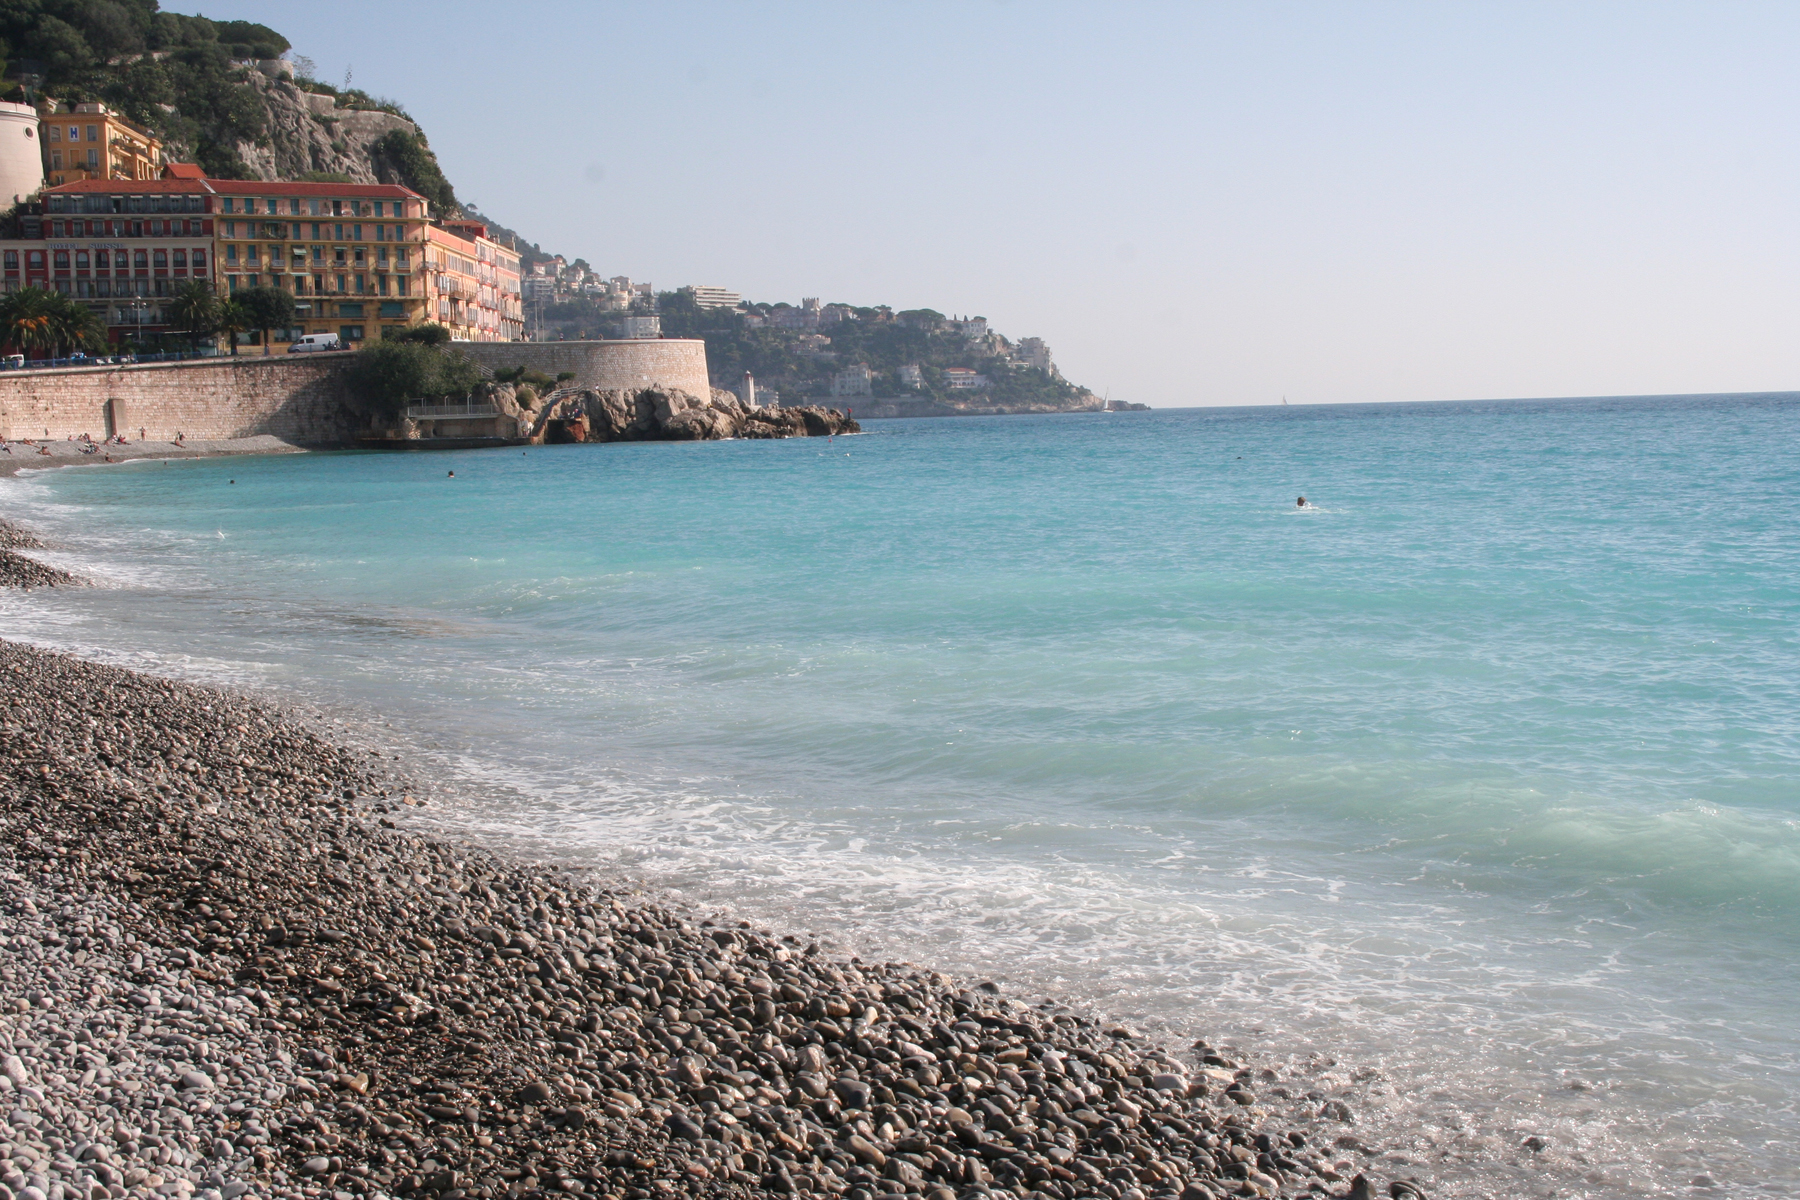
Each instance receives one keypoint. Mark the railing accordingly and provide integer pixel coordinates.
(451, 412)
(12, 362)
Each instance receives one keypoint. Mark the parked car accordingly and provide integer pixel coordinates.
(314, 342)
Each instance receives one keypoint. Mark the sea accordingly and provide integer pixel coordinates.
(1465, 796)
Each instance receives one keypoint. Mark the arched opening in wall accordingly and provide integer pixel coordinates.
(565, 433)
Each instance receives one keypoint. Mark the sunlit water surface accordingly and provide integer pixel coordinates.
(1467, 796)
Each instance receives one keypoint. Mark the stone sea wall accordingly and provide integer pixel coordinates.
(301, 399)
(604, 366)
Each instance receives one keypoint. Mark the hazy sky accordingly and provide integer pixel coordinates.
(1193, 203)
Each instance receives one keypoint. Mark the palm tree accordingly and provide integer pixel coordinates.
(233, 320)
(28, 319)
(195, 309)
(76, 326)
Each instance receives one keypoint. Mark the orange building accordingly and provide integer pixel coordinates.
(352, 254)
(90, 141)
(475, 283)
(362, 260)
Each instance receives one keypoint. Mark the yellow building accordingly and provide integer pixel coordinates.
(352, 254)
(90, 141)
(474, 283)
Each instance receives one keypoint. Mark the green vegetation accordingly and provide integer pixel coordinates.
(427, 333)
(34, 321)
(195, 310)
(404, 158)
(389, 375)
(168, 72)
(268, 308)
(879, 337)
(536, 379)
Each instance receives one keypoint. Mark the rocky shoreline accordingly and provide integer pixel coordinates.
(235, 971)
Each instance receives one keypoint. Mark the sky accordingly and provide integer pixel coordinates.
(1194, 204)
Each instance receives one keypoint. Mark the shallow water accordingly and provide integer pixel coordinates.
(1478, 780)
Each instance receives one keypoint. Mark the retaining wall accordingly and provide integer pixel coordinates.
(637, 363)
(301, 399)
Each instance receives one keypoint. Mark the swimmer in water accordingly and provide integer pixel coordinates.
(1300, 503)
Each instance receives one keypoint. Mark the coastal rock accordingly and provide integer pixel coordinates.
(670, 414)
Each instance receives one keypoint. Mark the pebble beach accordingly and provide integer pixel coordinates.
(234, 970)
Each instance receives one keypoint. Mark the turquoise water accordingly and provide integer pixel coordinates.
(1470, 795)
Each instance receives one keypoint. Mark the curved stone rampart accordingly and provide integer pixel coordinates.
(603, 366)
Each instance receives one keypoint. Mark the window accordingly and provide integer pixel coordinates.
(231, 256)
(270, 207)
(381, 258)
(56, 229)
(231, 229)
(361, 256)
(12, 260)
(400, 256)
(141, 260)
(100, 260)
(359, 285)
(294, 209)
(250, 259)
(358, 232)
(36, 260)
(350, 310)
(81, 260)
(340, 285)
(61, 262)
(199, 259)
(56, 133)
(93, 133)
(338, 235)
(180, 259)
(312, 209)
(56, 160)
(231, 281)
(337, 210)
(350, 333)
(160, 260)
(225, 205)
(93, 160)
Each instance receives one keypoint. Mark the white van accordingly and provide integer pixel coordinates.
(315, 341)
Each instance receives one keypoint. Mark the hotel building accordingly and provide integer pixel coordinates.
(360, 259)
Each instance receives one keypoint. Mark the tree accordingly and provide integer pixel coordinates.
(267, 308)
(402, 157)
(232, 320)
(195, 310)
(428, 333)
(27, 320)
(34, 319)
(388, 375)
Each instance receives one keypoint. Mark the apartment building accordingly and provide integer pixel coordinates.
(475, 283)
(352, 254)
(360, 259)
(89, 141)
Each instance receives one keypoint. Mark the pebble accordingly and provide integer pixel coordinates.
(257, 982)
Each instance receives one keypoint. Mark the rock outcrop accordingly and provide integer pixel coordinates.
(309, 133)
(672, 415)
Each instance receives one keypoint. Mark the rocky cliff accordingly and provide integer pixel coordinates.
(308, 133)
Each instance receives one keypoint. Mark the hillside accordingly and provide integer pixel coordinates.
(788, 353)
(196, 84)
